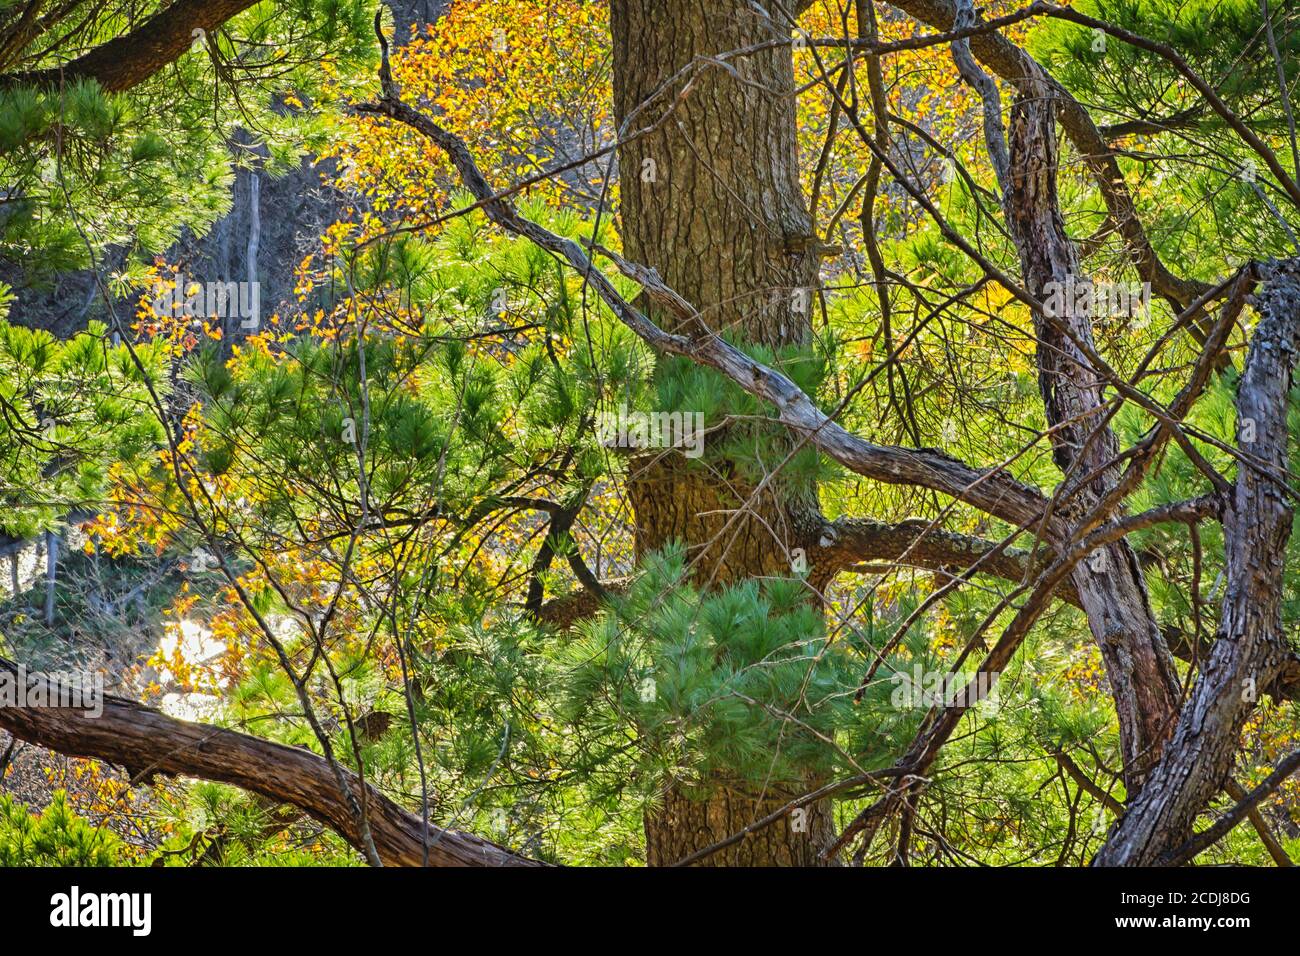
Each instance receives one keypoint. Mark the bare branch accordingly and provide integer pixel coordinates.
(148, 742)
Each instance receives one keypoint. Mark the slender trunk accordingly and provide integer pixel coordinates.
(711, 199)
(1111, 588)
(1251, 646)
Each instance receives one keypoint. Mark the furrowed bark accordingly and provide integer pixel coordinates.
(711, 201)
(684, 826)
(1251, 649)
(1110, 585)
(1139, 667)
(147, 742)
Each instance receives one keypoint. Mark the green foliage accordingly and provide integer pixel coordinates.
(742, 683)
(86, 170)
(387, 467)
(71, 410)
(1199, 163)
(216, 825)
(55, 836)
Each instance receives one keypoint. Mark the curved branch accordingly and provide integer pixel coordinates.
(148, 742)
(916, 542)
(128, 61)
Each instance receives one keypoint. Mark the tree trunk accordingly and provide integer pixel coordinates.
(1251, 646)
(685, 824)
(1110, 584)
(711, 200)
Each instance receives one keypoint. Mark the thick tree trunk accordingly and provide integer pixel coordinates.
(1251, 647)
(685, 824)
(711, 197)
(711, 200)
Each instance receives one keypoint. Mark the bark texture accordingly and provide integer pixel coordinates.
(685, 824)
(148, 742)
(711, 201)
(711, 198)
(1110, 584)
(1250, 649)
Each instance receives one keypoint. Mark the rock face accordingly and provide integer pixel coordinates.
(292, 210)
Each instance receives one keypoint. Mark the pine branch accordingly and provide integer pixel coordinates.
(149, 742)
